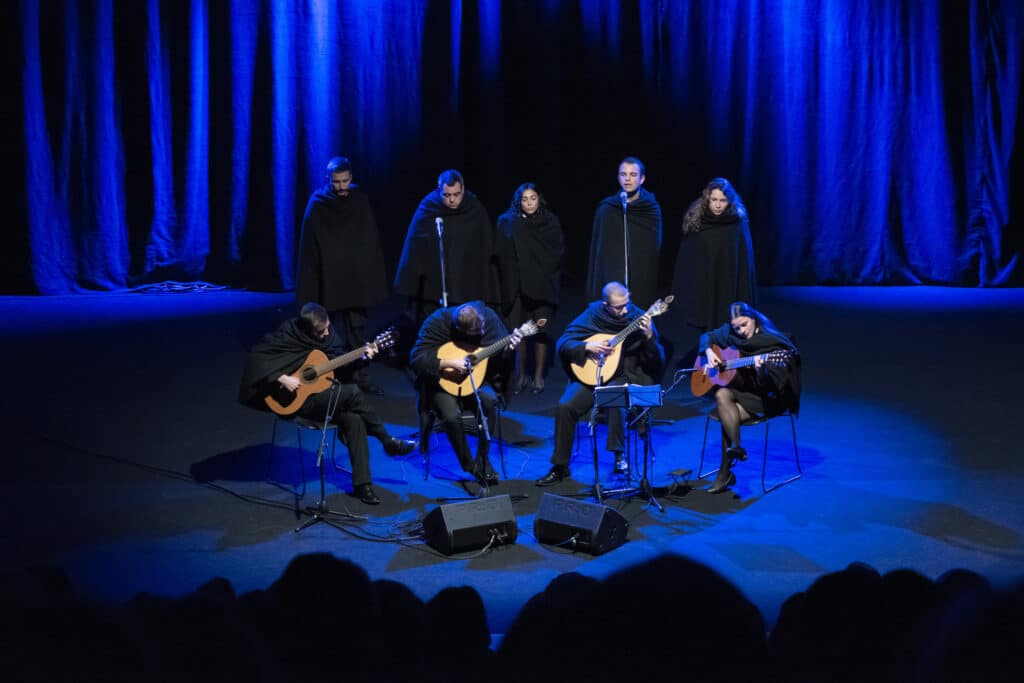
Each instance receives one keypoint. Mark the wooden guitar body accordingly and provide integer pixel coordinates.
(455, 382)
(701, 382)
(587, 372)
(284, 402)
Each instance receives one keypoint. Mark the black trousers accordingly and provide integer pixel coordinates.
(576, 402)
(449, 410)
(356, 421)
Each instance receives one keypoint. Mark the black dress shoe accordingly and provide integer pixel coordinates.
(393, 446)
(737, 452)
(557, 474)
(365, 493)
(720, 486)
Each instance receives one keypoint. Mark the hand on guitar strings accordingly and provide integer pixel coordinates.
(288, 382)
(714, 362)
(596, 350)
(645, 326)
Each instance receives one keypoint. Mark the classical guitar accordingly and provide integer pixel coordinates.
(590, 372)
(317, 372)
(457, 382)
(701, 381)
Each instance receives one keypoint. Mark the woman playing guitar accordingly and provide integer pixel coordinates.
(768, 386)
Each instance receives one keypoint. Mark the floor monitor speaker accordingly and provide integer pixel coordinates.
(579, 525)
(459, 527)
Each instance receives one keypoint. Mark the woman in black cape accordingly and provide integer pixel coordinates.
(529, 247)
(714, 264)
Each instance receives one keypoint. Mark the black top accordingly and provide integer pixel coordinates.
(714, 267)
(607, 261)
(470, 270)
(772, 389)
(642, 359)
(341, 263)
(277, 353)
(529, 256)
(439, 329)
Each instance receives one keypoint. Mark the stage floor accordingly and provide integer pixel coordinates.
(130, 465)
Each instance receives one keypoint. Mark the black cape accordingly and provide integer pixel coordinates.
(439, 329)
(642, 360)
(775, 388)
(341, 263)
(470, 270)
(714, 268)
(607, 262)
(277, 353)
(529, 256)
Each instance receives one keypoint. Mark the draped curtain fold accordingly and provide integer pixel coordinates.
(873, 143)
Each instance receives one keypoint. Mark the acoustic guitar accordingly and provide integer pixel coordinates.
(317, 372)
(457, 382)
(589, 372)
(701, 381)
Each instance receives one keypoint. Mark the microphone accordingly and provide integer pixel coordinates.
(439, 222)
(623, 197)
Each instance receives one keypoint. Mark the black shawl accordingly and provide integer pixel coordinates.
(642, 359)
(607, 262)
(341, 263)
(470, 270)
(277, 353)
(529, 256)
(778, 385)
(439, 329)
(714, 267)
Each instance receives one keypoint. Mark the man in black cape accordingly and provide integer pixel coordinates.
(470, 326)
(468, 236)
(607, 245)
(341, 263)
(641, 362)
(278, 354)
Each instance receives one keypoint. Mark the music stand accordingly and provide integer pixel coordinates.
(634, 396)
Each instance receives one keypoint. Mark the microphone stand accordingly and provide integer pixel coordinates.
(483, 432)
(625, 238)
(593, 435)
(440, 248)
(318, 511)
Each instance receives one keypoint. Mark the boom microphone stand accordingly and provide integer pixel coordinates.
(318, 511)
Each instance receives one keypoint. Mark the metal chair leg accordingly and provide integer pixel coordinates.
(796, 454)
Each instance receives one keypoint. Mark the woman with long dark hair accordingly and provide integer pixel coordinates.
(764, 390)
(529, 246)
(715, 261)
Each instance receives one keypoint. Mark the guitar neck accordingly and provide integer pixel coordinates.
(626, 331)
(494, 348)
(343, 359)
(741, 362)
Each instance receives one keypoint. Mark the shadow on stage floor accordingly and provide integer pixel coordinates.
(130, 464)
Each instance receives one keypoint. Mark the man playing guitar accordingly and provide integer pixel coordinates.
(269, 371)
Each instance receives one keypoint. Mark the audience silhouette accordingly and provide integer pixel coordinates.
(668, 616)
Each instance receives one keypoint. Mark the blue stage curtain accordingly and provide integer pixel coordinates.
(872, 142)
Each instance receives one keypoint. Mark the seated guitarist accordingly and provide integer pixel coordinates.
(762, 390)
(269, 366)
(469, 327)
(642, 362)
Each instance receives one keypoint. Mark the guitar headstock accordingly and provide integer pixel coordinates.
(660, 306)
(385, 339)
(530, 327)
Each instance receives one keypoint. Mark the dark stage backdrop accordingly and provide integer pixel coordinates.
(873, 141)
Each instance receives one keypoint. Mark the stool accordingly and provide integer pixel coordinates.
(713, 415)
(429, 424)
(302, 424)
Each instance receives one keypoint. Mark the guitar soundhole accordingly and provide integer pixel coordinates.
(308, 374)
